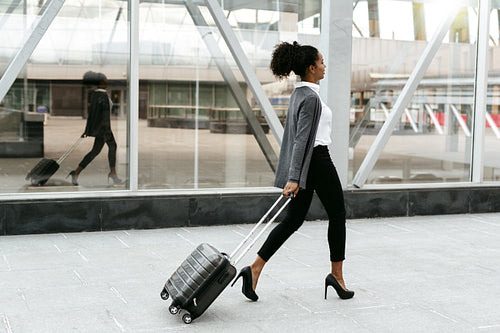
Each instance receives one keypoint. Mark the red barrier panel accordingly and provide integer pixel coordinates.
(440, 117)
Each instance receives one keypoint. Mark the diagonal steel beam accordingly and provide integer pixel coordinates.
(38, 29)
(386, 111)
(435, 121)
(411, 120)
(408, 115)
(460, 120)
(404, 98)
(228, 75)
(246, 68)
(492, 124)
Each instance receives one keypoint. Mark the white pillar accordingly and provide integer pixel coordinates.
(133, 97)
(336, 46)
(480, 90)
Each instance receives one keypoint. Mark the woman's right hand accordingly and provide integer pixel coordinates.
(291, 188)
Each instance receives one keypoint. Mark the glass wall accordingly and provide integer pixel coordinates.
(432, 140)
(194, 132)
(194, 102)
(47, 106)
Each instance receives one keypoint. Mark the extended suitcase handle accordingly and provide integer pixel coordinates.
(268, 224)
(62, 158)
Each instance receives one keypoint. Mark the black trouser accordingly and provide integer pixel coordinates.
(99, 141)
(322, 178)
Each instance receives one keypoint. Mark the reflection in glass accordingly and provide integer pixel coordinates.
(46, 109)
(194, 134)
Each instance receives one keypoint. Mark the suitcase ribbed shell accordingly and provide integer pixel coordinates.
(42, 171)
(198, 267)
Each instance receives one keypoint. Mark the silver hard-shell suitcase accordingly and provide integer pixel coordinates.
(206, 272)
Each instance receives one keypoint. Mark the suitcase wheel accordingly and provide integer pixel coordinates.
(187, 319)
(173, 309)
(164, 294)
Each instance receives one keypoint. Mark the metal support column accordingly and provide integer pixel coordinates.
(246, 69)
(403, 99)
(335, 88)
(233, 84)
(373, 19)
(419, 21)
(480, 92)
(38, 30)
(133, 96)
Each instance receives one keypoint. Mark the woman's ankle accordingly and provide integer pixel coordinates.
(337, 272)
(256, 269)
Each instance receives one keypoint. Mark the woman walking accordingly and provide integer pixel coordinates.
(98, 126)
(304, 166)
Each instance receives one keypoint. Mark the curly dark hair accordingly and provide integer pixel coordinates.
(91, 78)
(292, 57)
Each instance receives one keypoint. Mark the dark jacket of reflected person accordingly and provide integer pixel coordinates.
(99, 118)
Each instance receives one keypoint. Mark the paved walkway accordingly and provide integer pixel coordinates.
(416, 274)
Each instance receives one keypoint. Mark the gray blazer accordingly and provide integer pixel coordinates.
(298, 139)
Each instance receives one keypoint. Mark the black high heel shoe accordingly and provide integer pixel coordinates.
(73, 177)
(246, 288)
(114, 178)
(331, 281)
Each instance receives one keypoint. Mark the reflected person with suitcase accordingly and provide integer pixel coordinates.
(304, 166)
(98, 126)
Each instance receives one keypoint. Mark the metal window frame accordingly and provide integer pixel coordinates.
(480, 92)
(133, 97)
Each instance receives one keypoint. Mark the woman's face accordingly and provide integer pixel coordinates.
(103, 83)
(320, 67)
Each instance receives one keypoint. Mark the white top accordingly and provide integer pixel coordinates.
(323, 137)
